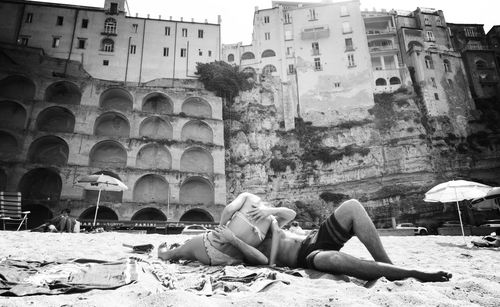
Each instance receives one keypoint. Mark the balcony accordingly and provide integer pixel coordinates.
(470, 47)
(388, 30)
(315, 33)
(382, 48)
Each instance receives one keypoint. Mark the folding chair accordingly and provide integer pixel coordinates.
(10, 210)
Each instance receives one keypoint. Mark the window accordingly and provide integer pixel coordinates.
(470, 32)
(135, 27)
(447, 66)
(336, 84)
(165, 51)
(209, 53)
(230, 58)
(450, 82)
(291, 69)
(315, 48)
(480, 64)
(200, 33)
(113, 9)
(288, 35)
(267, 36)
(184, 32)
(433, 81)
(346, 27)
(200, 53)
(110, 26)
(344, 11)
(59, 21)
(438, 21)
(55, 42)
(427, 21)
(312, 14)
(430, 36)
(350, 59)
(107, 45)
(288, 18)
(289, 50)
(81, 43)
(133, 49)
(29, 18)
(317, 64)
(348, 44)
(23, 41)
(167, 31)
(266, 19)
(105, 62)
(380, 82)
(436, 96)
(183, 52)
(429, 64)
(85, 23)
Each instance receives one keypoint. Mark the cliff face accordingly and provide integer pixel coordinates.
(387, 160)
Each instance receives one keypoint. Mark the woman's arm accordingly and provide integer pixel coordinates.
(252, 255)
(283, 215)
(275, 242)
(236, 205)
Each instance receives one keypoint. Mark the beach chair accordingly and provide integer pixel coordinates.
(10, 210)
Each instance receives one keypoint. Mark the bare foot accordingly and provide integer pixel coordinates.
(439, 276)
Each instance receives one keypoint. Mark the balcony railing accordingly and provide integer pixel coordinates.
(381, 48)
(315, 33)
(389, 30)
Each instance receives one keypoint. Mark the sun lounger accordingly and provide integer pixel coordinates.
(10, 210)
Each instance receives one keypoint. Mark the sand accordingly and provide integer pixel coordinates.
(475, 282)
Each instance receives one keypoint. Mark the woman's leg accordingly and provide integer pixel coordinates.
(193, 249)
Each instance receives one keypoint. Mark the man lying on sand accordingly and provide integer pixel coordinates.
(320, 249)
(248, 218)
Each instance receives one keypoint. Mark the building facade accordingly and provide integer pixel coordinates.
(161, 136)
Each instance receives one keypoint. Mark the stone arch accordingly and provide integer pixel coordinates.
(63, 92)
(196, 191)
(155, 127)
(197, 106)
(108, 154)
(151, 188)
(394, 81)
(9, 147)
(230, 58)
(50, 150)
(108, 45)
(247, 56)
(3, 180)
(249, 71)
(103, 213)
(157, 103)
(112, 124)
(17, 87)
(480, 64)
(40, 185)
(56, 119)
(12, 115)
(429, 63)
(106, 196)
(268, 53)
(197, 130)
(39, 214)
(198, 160)
(149, 214)
(268, 69)
(413, 44)
(117, 99)
(380, 82)
(197, 215)
(154, 156)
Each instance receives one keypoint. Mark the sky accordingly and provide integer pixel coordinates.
(237, 15)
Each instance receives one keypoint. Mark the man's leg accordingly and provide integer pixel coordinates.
(352, 215)
(340, 263)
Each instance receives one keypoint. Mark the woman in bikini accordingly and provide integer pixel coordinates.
(248, 217)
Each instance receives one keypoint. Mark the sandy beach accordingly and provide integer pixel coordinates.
(475, 282)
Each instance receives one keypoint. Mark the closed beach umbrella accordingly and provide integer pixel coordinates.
(100, 182)
(455, 191)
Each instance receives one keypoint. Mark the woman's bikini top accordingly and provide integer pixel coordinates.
(255, 229)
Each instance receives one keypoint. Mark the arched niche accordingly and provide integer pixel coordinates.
(9, 147)
(112, 124)
(151, 189)
(17, 87)
(268, 53)
(117, 99)
(268, 69)
(108, 154)
(149, 214)
(196, 106)
(249, 71)
(40, 185)
(3, 180)
(157, 103)
(12, 115)
(247, 56)
(394, 81)
(197, 160)
(197, 215)
(414, 44)
(197, 130)
(106, 196)
(380, 82)
(230, 58)
(56, 119)
(63, 92)
(39, 214)
(154, 156)
(196, 191)
(50, 150)
(156, 128)
(103, 213)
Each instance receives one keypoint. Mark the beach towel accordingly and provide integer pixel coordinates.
(21, 277)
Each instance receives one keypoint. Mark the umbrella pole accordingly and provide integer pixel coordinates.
(461, 224)
(97, 207)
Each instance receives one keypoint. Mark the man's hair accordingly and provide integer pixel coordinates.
(295, 223)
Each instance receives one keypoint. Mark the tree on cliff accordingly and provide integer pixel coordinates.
(222, 78)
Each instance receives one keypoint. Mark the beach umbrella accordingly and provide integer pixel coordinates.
(100, 182)
(479, 204)
(455, 191)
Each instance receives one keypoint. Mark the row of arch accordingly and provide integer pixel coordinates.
(67, 93)
(383, 82)
(250, 55)
(53, 150)
(59, 119)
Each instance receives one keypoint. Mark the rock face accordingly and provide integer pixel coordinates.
(387, 160)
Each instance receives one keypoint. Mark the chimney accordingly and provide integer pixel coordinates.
(192, 19)
(256, 8)
(206, 21)
(182, 18)
(219, 19)
(159, 16)
(148, 16)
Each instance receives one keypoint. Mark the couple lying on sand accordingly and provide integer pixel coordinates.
(250, 232)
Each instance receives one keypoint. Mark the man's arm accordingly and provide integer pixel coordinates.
(236, 205)
(275, 242)
(283, 215)
(252, 255)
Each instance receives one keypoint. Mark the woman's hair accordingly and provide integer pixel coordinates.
(295, 223)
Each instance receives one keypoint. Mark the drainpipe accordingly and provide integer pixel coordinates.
(142, 51)
(72, 41)
(128, 56)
